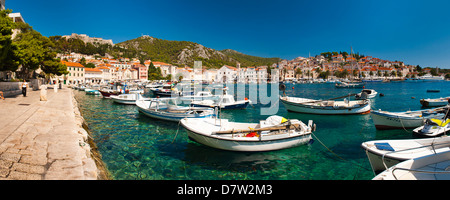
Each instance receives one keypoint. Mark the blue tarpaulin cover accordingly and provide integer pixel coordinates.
(384, 146)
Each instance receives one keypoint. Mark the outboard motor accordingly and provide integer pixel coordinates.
(364, 95)
(430, 123)
(282, 87)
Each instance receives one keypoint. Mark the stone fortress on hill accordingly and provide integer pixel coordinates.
(86, 39)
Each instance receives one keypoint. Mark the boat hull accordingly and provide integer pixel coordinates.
(124, 101)
(433, 102)
(171, 117)
(396, 151)
(376, 161)
(326, 110)
(108, 94)
(248, 146)
(431, 132)
(129, 99)
(349, 86)
(431, 167)
(384, 121)
(236, 105)
(91, 91)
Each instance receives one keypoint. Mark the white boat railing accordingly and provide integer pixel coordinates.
(418, 171)
(432, 145)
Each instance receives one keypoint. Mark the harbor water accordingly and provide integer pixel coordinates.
(136, 147)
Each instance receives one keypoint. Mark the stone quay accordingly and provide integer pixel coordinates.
(45, 140)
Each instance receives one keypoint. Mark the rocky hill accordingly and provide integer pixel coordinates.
(183, 53)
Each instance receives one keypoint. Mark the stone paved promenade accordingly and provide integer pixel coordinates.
(44, 140)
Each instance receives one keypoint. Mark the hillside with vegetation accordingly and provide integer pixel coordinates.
(185, 53)
(180, 53)
(247, 60)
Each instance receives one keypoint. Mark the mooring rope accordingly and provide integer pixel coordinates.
(335, 154)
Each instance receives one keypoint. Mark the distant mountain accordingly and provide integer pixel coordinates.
(185, 53)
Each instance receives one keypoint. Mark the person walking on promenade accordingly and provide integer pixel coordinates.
(24, 88)
(1, 95)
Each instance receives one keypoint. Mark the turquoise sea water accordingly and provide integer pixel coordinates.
(134, 146)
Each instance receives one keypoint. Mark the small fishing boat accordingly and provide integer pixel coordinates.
(435, 102)
(384, 120)
(274, 133)
(167, 109)
(164, 90)
(200, 96)
(325, 107)
(81, 87)
(129, 99)
(349, 85)
(91, 91)
(107, 93)
(225, 101)
(432, 167)
(430, 90)
(383, 154)
(366, 94)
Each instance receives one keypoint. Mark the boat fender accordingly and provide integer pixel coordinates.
(311, 141)
(314, 127)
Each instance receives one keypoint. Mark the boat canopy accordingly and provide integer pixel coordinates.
(273, 121)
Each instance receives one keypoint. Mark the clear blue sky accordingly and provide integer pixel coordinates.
(416, 32)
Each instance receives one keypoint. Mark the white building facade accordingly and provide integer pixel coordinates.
(227, 74)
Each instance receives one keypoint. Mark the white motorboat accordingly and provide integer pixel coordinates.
(200, 96)
(164, 90)
(225, 101)
(366, 94)
(167, 109)
(383, 154)
(136, 91)
(433, 128)
(349, 85)
(153, 85)
(129, 99)
(384, 120)
(325, 107)
(274, 133)
(429, 77)
(431, 167)
(435, 102)
(91, 91)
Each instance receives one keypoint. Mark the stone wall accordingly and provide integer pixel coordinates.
(10, 88)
